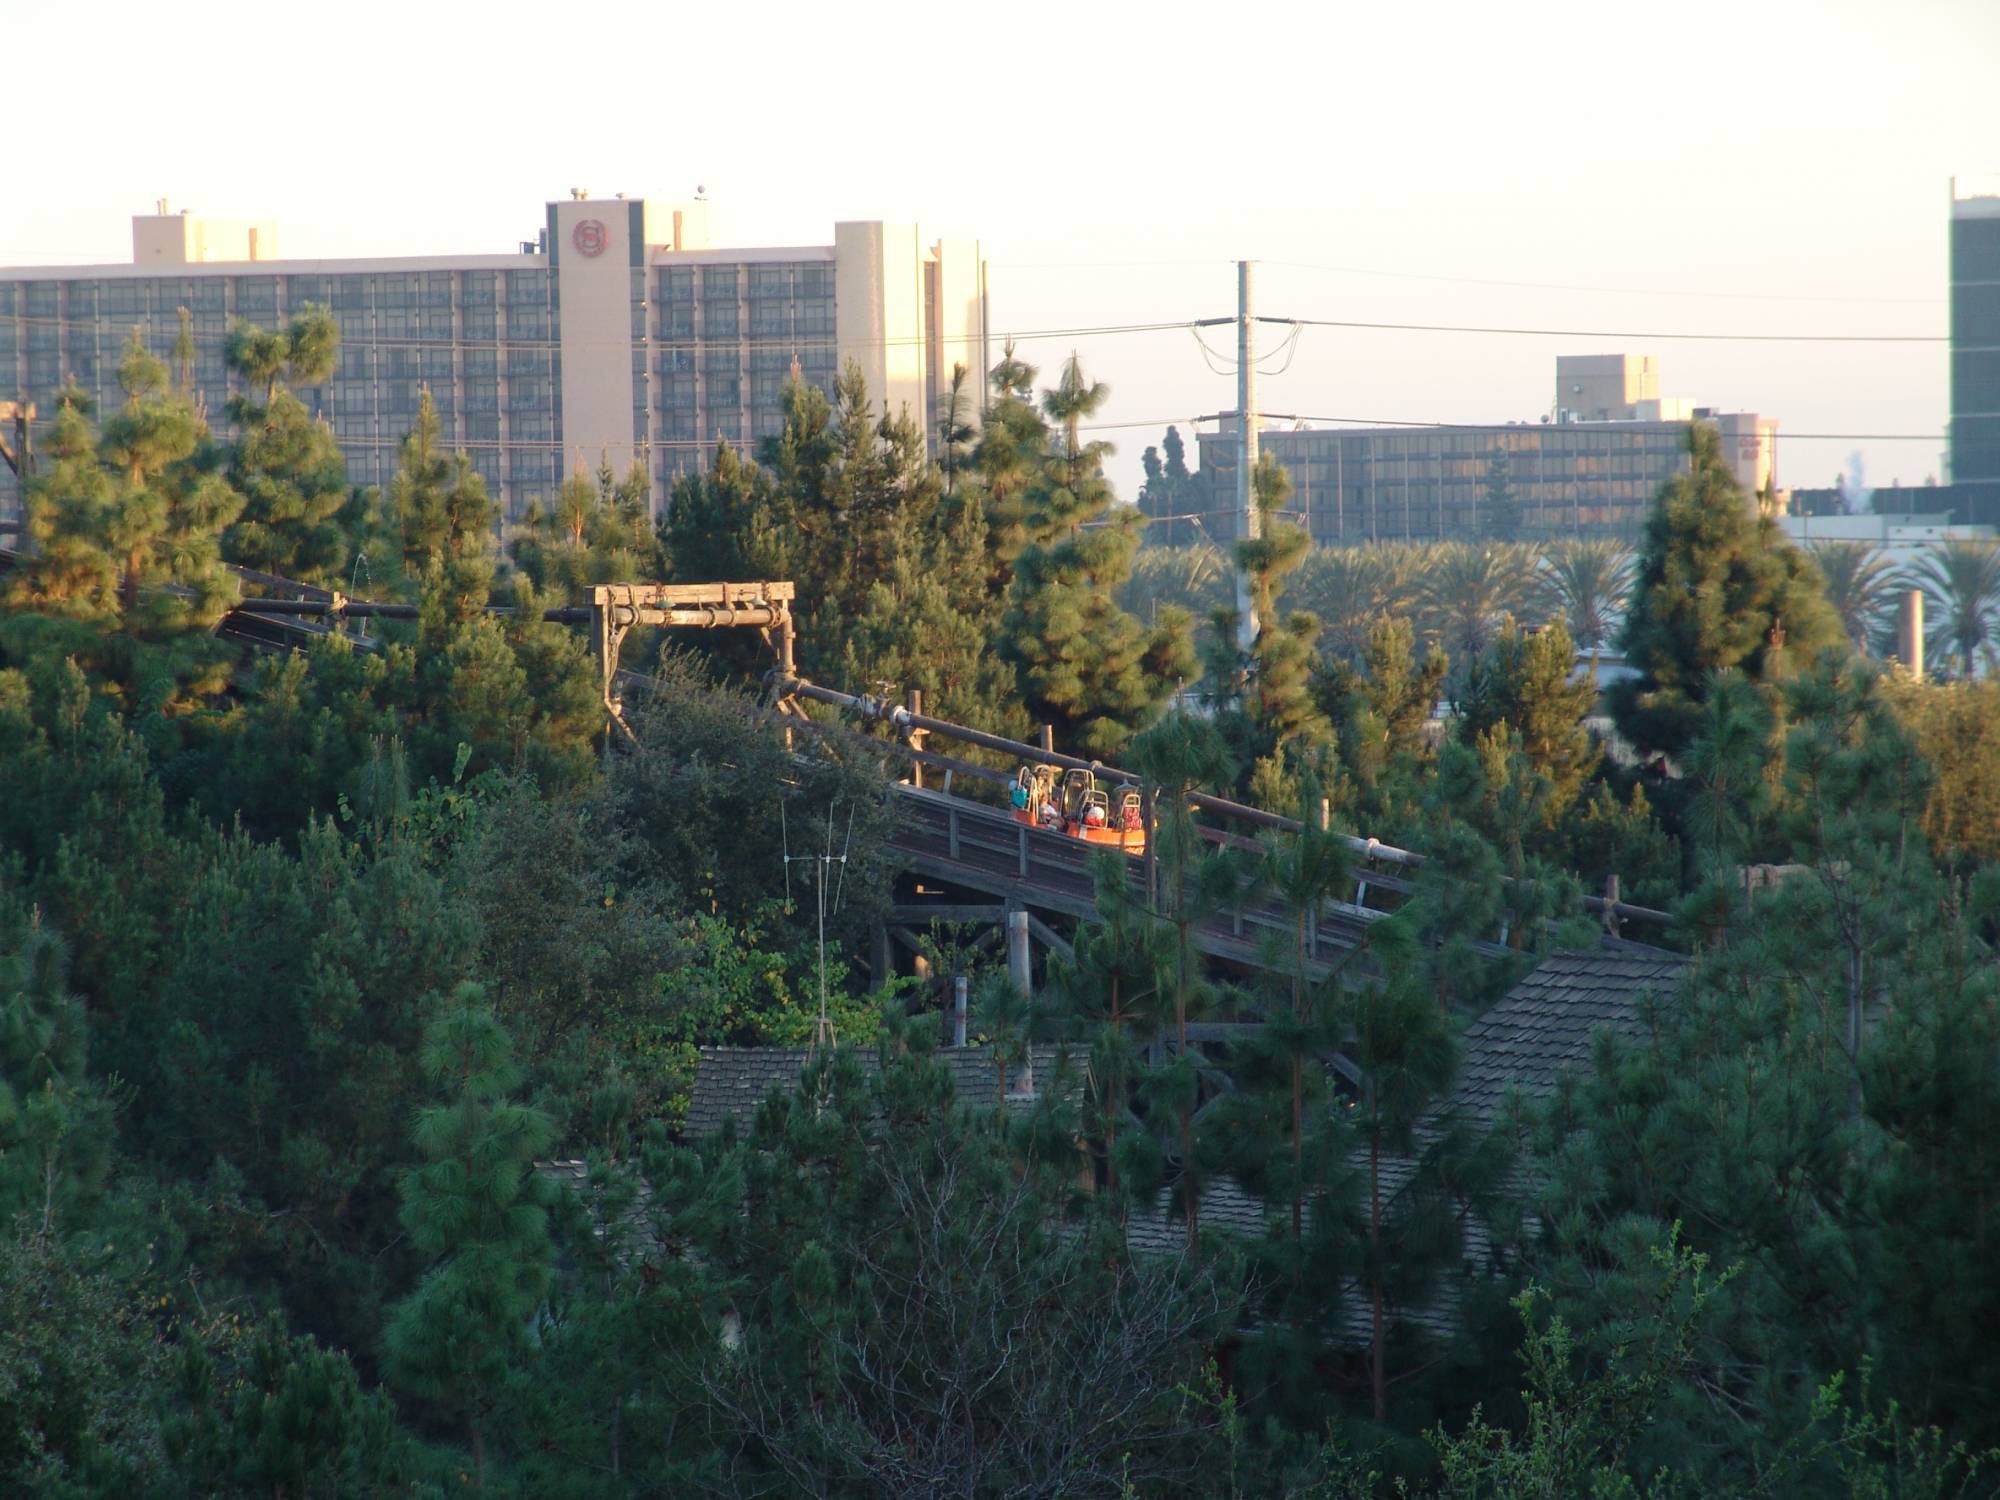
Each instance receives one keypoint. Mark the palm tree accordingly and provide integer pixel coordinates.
(1350, 588)
(1585, 585)
(1470, 589)
(1861, 585)
(1195, 578)
(1961, 582)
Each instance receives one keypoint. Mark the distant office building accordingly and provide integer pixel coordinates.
(1578, 473)
(619, 331)
(1902, 537)
(1975, 349)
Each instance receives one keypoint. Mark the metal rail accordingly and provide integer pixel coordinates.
(886, 711)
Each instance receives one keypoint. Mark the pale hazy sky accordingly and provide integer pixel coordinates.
(1757, 167)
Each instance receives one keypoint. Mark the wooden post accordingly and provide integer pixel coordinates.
(914, 701)
(1020, 970)
(1611, 903)
(959, 986)
(880, 963)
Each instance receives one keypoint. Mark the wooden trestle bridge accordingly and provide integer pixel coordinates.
(966, 859)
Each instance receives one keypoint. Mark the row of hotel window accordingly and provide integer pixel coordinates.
(250, 296)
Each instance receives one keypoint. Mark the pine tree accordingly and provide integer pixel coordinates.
(1264, 697)
(1523, 682)
(1404, 1049)
(1112, 997)
(1179, 756)
(72, 572)
(1167, 494)
(1718, 588)
(300, 515)
(1084, 665)
(477, 1212)
(447, 519)
(55, 1121)
(1502, 505)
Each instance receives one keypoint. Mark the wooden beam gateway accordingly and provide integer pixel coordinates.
(616, 609)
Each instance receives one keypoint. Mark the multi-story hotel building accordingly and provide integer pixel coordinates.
(620, 331)
(1592, 466)
(1975, 349)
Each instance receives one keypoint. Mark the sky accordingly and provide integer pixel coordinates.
(1757, 167)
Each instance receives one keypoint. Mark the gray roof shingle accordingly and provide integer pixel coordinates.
(1544, 1026)
(735, 1080)
(1541, 1028)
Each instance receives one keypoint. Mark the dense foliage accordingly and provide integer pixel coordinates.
(350, 999)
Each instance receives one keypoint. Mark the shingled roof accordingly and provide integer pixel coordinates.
(1544, 1025)
(1540, 1029)
(735, 1080)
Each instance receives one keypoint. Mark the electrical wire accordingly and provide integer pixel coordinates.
(1614, 333)
(1615, 291)
(1218, 364)
(1289, 349)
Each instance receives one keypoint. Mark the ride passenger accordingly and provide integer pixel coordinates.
(1019, 796)
(1093, 816)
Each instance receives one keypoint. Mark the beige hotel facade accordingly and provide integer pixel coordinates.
(620, 332)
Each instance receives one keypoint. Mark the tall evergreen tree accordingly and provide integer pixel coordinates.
(1168, 493)
(477, 1211)
(1265, 696)
(299, 512)
(1718, 587)
(55, 1121)
(1084, 665)
(1524, 684)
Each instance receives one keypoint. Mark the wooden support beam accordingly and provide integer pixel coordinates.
(1049, 938)
(947, 911)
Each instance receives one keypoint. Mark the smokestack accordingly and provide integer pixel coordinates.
(1910, 632)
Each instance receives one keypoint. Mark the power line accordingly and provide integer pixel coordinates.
(1618, 291)
(1613, 333)
(1781, 434)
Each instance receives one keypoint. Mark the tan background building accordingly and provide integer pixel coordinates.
(621, 331)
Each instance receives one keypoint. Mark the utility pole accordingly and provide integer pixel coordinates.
(1248, 523)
